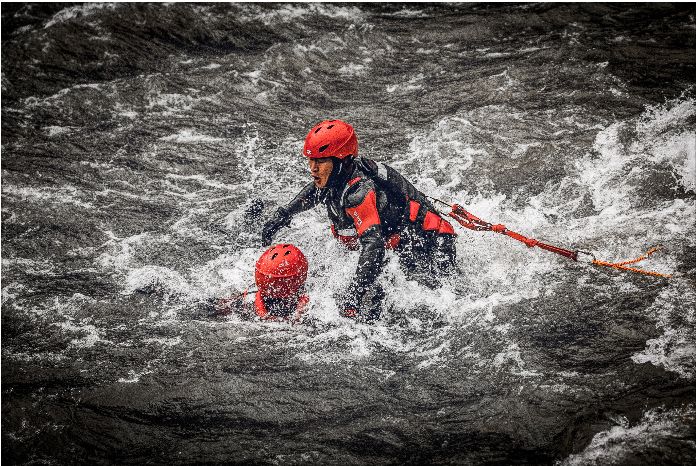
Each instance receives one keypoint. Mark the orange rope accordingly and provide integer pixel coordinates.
(650, 252)
(470, 221)
(622, 265)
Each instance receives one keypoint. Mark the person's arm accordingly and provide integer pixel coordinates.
(361, 206)
(305, 200)
(225, 306)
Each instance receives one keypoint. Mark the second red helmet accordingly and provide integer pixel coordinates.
(281, 271)
(331, 138)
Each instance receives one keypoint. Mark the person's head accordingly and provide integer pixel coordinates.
(329, 147)
(281, 272)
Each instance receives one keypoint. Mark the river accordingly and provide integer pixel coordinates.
(135, 137)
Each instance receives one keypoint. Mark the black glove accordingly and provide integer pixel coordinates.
(279, 220)
(365, 306)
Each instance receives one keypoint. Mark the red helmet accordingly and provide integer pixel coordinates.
(331, 138)
(281, 271)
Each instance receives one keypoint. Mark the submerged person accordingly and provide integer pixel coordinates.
(280, 275)
(371, 208)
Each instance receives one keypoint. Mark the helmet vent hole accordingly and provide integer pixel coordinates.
(285, 246)
(330, 126)
(317, 130)
(286, 253)
(275, 254)
(323, 148)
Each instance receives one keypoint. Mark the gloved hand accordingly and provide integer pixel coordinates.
(279, 220)
(362, 305)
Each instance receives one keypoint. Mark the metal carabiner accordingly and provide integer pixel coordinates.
(589, 257)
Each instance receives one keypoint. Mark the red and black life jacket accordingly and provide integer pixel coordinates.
(404, 203)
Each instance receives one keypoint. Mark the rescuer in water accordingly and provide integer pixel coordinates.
(372, 208)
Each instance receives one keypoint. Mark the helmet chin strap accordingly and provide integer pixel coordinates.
(339, 172)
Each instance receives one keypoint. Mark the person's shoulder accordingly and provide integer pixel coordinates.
(357, 189)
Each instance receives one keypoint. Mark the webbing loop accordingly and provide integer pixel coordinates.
(622, 265)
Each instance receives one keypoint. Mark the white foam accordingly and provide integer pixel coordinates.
(156, 278)
(81, 11)
(623, 444)
(496, 55)
(685, 171)
(168, 342)
(507, 272)
(65, 194)
(411, 85)
(513, 356)
(675, 349)
(134, 376)
(226, 275)
(119, 255)
(406, 13)
(288, 13)
(353, 69)
(50, 100)
(660, 141)
(35, 357)
(199, 179)
(190, 136)
(56, 130)
(171, 103)
(504, 80)
(39, 267)
(534, 49)
(91, 336)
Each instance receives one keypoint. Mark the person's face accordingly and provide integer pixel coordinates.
(320, 169)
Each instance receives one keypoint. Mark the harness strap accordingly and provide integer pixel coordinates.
(346, 188)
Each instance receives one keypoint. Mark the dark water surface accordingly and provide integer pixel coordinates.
(135, 136)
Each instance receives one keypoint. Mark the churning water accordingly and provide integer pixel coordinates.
(135, 137)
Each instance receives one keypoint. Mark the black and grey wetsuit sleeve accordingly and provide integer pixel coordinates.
(309, 197)
(360, 203)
